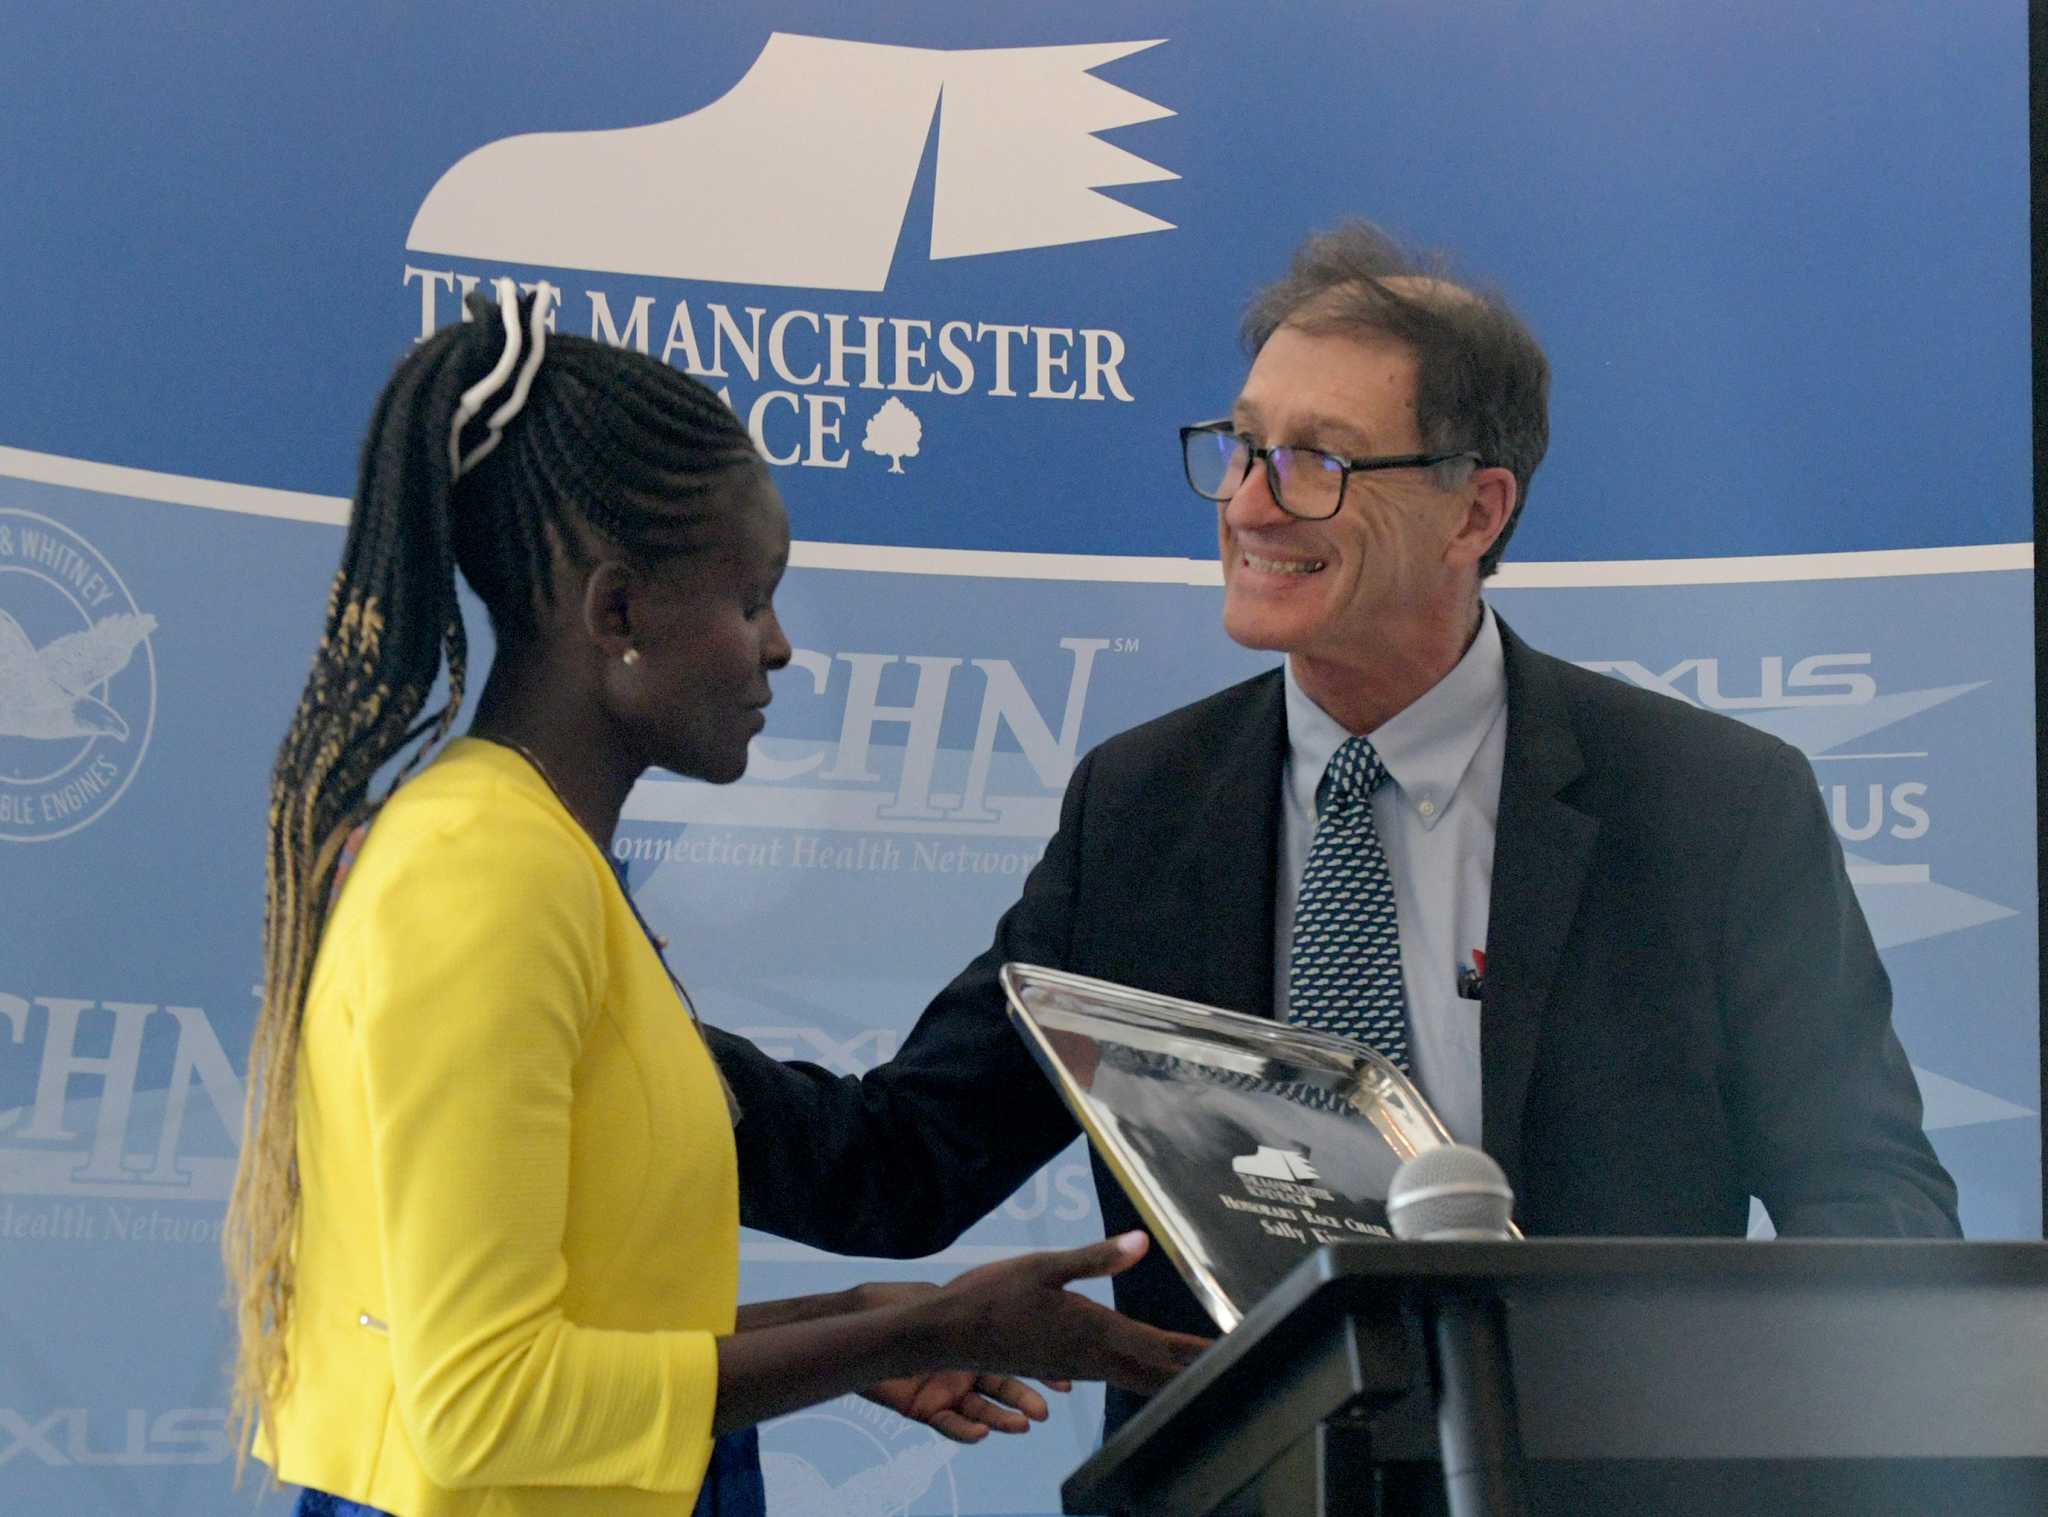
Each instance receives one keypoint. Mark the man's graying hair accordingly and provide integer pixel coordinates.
(1482, 383)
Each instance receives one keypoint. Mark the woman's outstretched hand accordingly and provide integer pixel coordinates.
(963, 1405)
(948, 1355)
(1017, 1316)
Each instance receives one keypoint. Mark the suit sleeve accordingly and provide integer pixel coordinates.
(483, 975)
(1826, 1110)
(904, 1159)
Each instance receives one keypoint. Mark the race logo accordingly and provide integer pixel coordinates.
(77, 680)
(1281, 1190)
(853, 1459)
(1275, 1164)
(1280, 1174)
(810, 162)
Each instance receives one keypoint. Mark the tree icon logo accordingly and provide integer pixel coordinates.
(894, 430)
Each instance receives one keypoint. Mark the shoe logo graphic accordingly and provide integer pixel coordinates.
(1276, 1164)
(802, 173)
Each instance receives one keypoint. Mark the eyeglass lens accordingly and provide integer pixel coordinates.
(1309, 481)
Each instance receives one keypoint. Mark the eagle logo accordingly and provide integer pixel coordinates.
(47, 692)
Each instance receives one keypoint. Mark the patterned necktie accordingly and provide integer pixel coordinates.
(1344, 974)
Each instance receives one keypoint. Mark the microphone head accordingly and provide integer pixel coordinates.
(1449, 1193)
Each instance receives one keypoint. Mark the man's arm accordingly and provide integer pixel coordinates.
(900, 1161)
(1825, 1107)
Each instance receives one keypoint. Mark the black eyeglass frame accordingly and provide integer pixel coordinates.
(1347, 466)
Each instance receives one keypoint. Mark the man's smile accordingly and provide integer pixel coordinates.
(1280, 565)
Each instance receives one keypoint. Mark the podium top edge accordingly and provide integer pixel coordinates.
(1674, 1262)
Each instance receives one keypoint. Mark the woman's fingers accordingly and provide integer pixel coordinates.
(956, 1427)
(1003, 1419)
(1013, 1392)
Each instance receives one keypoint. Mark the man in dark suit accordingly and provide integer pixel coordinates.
(1632, 966)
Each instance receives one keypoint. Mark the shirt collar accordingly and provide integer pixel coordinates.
(1427, 747)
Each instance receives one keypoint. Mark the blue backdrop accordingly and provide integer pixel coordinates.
(963, 274)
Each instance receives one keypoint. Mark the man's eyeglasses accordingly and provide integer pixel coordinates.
(1306, 482)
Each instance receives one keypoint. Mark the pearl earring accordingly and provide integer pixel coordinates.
(630, 657)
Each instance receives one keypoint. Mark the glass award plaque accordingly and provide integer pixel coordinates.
(1244, 1143)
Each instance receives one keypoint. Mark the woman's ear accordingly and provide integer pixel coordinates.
(608, 596)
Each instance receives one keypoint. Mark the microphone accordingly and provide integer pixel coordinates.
(1453, 1194)
(1450, 1193)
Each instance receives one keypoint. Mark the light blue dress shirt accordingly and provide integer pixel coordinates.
(1436, 822)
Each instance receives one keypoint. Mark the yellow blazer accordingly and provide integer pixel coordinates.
(519, 1221)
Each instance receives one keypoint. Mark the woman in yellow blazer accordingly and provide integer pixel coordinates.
(484, 1236)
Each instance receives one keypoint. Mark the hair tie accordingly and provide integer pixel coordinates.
(473, 398)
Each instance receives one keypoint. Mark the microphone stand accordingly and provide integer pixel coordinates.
(1478, 1425)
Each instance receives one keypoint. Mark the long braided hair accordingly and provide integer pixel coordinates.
(609, 443)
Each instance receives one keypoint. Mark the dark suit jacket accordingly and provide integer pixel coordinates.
(1683, 1007)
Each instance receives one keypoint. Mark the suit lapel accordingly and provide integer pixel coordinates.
(1543, 848)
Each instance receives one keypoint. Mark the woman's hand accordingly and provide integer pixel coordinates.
(963, 1405)
(946, 1354)
(1017, 1315)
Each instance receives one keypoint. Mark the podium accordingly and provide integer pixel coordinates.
(1653, 1376)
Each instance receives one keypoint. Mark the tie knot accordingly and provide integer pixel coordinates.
(1355, 770)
